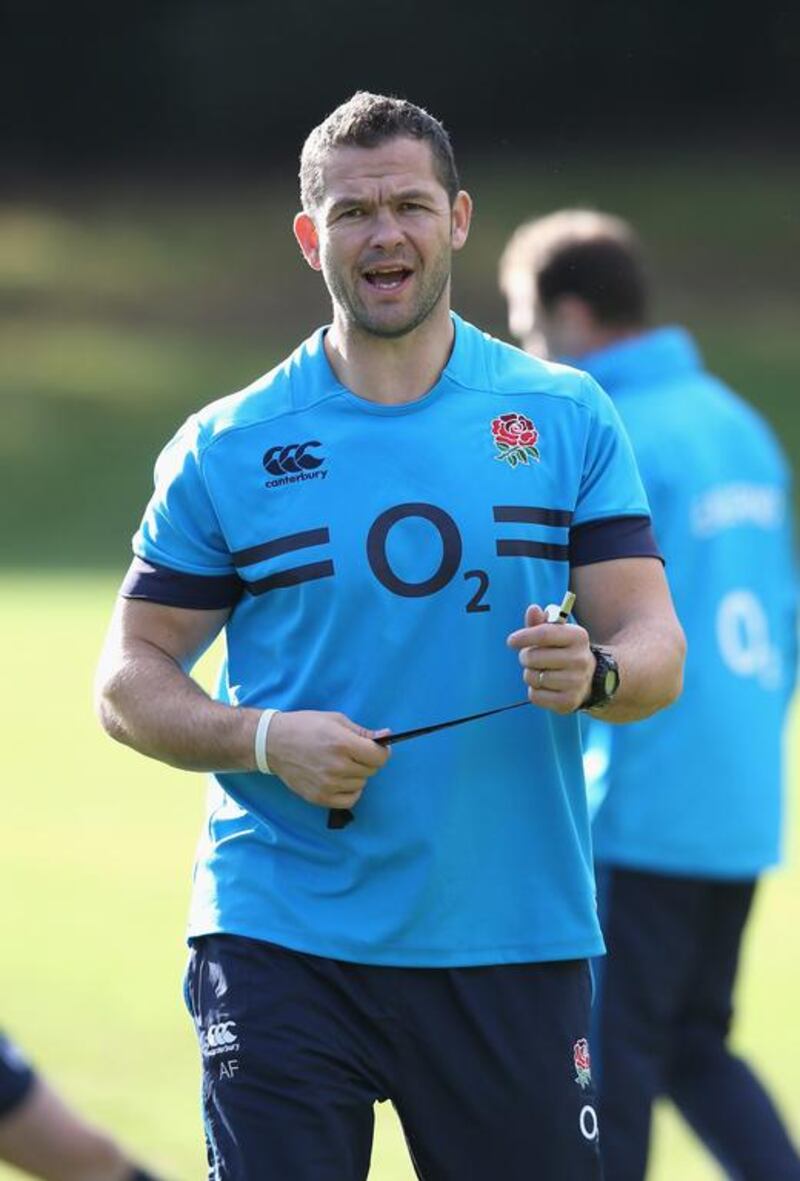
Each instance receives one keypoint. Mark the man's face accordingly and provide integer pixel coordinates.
(383, 235)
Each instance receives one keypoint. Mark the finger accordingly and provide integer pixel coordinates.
(384, 739)
(549, 635)
(557, 702)
(366, 756)
(538, 659)
(563, 635)
(344, 799)
(531, 637)
(343, 785)
(362, 731)
(521, 638)
(361, 748)
(535, 615)
(547, 680)
(539, 656)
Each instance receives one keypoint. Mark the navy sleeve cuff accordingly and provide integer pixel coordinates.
(173, 588)
(17, 1077)
(613, 537)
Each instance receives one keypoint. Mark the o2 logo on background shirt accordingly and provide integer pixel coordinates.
(587, 1121)
(744, 640)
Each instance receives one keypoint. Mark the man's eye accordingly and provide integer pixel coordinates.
(350, 214)
(411, 205)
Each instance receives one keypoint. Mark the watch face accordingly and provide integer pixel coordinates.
(605, 681)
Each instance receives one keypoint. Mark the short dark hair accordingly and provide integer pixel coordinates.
(580, 252)
(365, 121)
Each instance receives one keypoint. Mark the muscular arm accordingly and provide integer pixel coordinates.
(624, 606)
(146, 699)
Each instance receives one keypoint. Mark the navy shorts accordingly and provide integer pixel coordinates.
(663, 1015)
(16, 1077)
(487, 1067)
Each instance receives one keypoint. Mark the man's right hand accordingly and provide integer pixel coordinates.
(324, 757)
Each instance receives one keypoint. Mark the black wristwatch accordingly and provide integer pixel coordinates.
(605, 680)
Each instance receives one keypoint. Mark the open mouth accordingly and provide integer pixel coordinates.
(387, 278)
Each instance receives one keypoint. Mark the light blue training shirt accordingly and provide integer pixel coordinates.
(697, 788)
(375, 558)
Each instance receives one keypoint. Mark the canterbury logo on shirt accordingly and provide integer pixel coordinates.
(292, 459)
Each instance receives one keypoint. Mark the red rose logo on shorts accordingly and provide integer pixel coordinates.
(515, 437)
(583, 1063)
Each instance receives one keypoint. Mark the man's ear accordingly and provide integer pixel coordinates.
(307, 239)
(460, 219)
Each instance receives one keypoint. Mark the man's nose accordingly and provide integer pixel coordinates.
(386, 231)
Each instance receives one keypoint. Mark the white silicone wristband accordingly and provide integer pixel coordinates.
(262, 730)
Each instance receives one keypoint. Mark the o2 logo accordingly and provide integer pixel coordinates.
(379, 547)
(744, 641)
(452, 549)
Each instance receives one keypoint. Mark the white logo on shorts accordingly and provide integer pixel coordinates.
(588, 1123)
(219, 1038)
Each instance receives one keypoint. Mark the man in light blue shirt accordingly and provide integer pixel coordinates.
(689, 802)
(378, 524)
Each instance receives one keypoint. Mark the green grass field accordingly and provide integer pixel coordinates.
(94, 897)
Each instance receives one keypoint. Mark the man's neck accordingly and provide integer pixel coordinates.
(603, 337)
(387, 370)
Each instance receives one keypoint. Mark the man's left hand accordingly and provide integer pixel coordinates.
(557, 661)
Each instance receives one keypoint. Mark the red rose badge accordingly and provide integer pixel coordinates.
(583, 1062)
(515, 437)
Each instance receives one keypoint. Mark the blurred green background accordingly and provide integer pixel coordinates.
(128, 303)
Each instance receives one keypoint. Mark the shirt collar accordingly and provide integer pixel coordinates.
(323, 380)
(651, 356)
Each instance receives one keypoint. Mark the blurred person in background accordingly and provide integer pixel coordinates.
(359, 523)
(42, 1136)
(690, 811)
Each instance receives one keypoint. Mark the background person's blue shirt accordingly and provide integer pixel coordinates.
(697, 788)
(376, 557)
